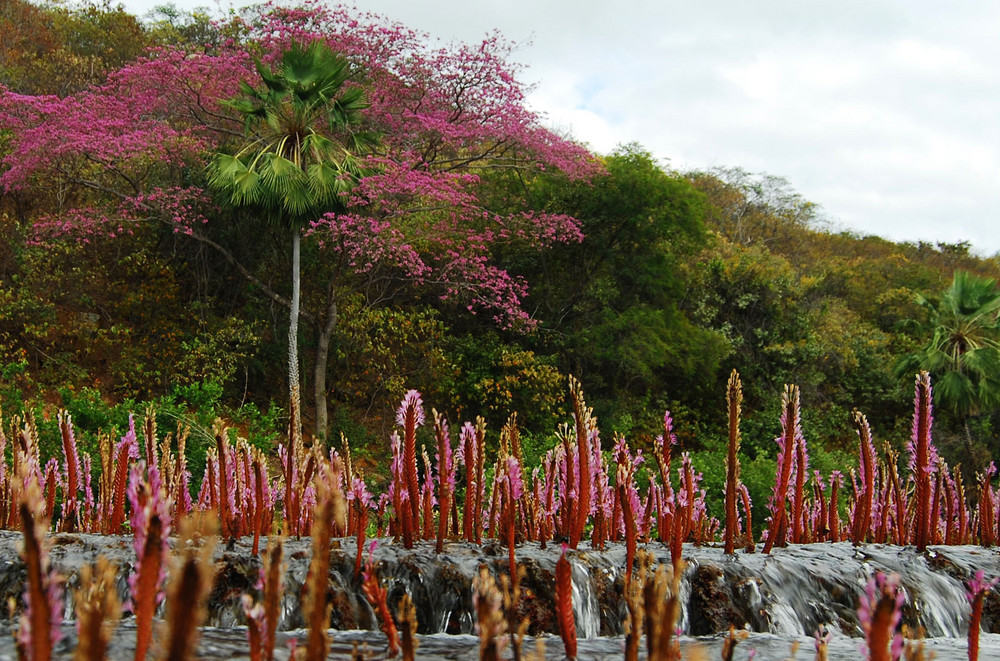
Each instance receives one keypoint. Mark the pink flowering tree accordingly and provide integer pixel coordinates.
(429, 205)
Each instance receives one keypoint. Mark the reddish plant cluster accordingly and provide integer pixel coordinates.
(572, 494)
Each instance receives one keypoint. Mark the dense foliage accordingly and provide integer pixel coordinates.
(478, 257)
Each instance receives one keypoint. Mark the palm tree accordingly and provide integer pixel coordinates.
(301, 158)
(963, 353)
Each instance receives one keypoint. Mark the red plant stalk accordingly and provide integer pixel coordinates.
(898, 496)
(987, 525)
(623, 481)
(149, 437)
(377, 595)
(124, 451)
(362, 502)
(734, 400)
(978, 587)
(583, 426)
(921, 457)
(255, 627)
(40, 622)
(935, 515)
(409, 416)
(259, 476)
(833, 523)
(963, 513)
(480, 483)
(273, 587)
(798, 501)
(789, 434)
(70, 513)
(745, 499)
(51, 469)
(949, 506)
(820, 524)
(446, 478)
(564, 605)
(147, 585)
(289, 463)
(861, 524)
(570, 485)
(514, 490)
(427, 497)
(225, 486)
(879, 612)
(467, 441)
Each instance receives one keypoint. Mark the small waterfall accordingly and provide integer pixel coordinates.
(787, 594)
(586, 611)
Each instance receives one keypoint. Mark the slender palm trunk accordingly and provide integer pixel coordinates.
(293, 339)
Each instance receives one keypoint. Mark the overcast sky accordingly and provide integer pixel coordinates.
(882, 112)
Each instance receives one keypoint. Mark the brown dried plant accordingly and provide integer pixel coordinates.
(489, 618)
(192, 577)
(408, 627)
(516, 625)
(377, 596)
(316, 606)
(635, 619)
(98, 610)
(662, 605)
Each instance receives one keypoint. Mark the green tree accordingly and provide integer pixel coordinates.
(963, 353)
(610, 304)
(301, 159)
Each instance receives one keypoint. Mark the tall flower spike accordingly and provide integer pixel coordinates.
(790, 432)
(71, 475)
(446, 477)
(864, 498)
(734, 399)
(409, 416)
(923, 459)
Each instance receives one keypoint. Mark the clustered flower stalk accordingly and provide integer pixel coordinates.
(377, 595)
(564, 605)
(573, 491)
(978, 587)
(790, 434)
(879, 612)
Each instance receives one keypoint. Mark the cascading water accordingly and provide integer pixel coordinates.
(784, 596)
(585, 608)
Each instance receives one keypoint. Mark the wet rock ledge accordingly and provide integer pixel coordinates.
(790, 592)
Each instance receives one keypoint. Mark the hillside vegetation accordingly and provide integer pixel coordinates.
(467, 253)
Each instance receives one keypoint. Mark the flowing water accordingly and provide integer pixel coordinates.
(779, 600)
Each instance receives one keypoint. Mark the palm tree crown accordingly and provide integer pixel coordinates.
(964, 350)
(301, 159)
